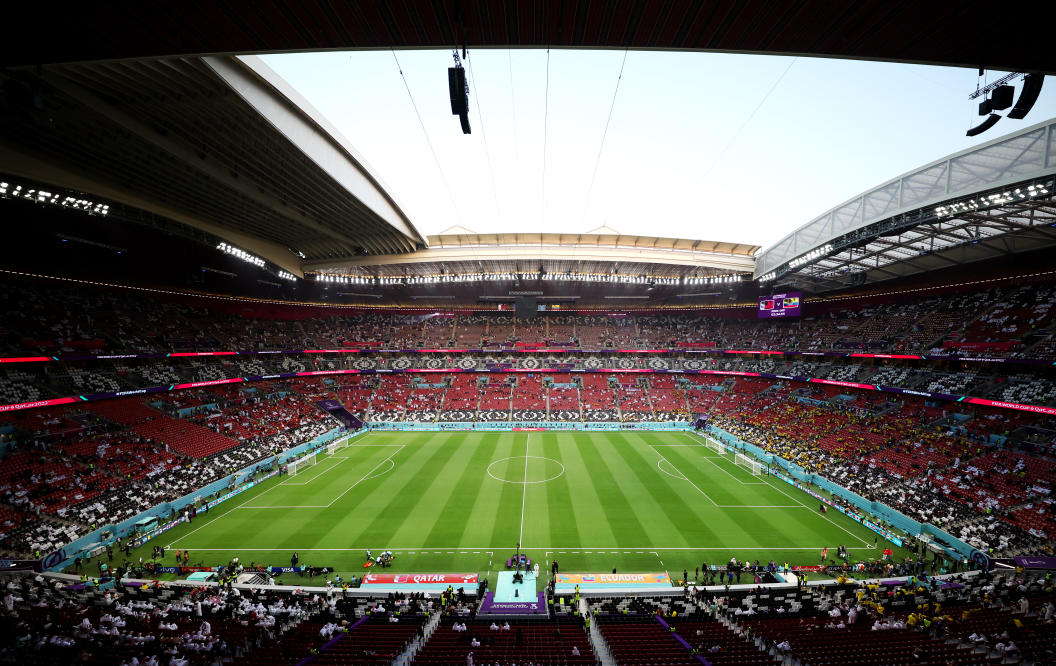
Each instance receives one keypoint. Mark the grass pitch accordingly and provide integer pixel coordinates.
(460, 502)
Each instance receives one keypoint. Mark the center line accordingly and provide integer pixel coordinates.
(524, 492)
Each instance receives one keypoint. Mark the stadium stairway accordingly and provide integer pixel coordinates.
(597, 641)
(415, 645)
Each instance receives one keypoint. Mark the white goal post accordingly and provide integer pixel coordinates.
(333, 446)
(752, 464)
(294, 465)
(715, 446)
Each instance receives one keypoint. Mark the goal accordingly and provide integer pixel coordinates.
(333, 446)
(293, 466)
(753, 465)
(715, 446)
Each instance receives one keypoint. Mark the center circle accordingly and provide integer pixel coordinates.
(525, 469)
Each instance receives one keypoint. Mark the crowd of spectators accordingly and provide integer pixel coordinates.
(49, 621)
(927, 472)
(1001, 321)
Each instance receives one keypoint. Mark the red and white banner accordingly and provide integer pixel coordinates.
(420, 579)
(36, 403)
(1037, 409)
(833, 382)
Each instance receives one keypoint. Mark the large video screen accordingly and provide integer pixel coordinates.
(780, 305)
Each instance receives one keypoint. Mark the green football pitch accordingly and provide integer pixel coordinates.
(461, 501)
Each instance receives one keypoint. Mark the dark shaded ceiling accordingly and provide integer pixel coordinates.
(176, 136)
(970, 33)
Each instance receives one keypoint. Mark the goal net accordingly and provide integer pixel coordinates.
(753, 465)
(715, 446)
(295, 465)
(333, 446)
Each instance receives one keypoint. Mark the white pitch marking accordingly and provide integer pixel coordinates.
(559, 552)
(220, 515)
(685, 477)
(763, 506)
(257, 496)
(367, 475)
(284, 506)
(709, 459)
(860, 539)
(330, 468)
(659, 466)
(524, 490)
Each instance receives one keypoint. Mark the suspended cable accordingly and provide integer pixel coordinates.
(604, 134)
(443, 177)
(546, 114)
(749, 119)
(484, 136)
(513, 104)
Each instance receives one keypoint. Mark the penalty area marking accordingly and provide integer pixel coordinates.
(341, 459)
(659, 466)
(366, 477)
(683, 476)
(328, 469)
(391, 467)
(865, 544)
(711, 460)
(216, 516)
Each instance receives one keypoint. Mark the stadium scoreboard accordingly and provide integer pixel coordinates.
(780, 305)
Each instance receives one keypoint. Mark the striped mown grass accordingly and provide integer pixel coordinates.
(461, 501)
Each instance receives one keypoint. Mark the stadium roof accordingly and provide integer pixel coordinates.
(994, 199)
(465, 252)
(218, 143)
(224, 145)
(969, 33)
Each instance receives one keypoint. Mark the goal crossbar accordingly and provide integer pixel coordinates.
(715, 446)
(305, 461)
(753, 465)
(333, 446)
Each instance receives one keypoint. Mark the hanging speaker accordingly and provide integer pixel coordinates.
(1001, 98)
(456, 84)
(985, 125)
(1027, 97)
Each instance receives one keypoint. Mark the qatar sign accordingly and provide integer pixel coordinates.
(421, 579)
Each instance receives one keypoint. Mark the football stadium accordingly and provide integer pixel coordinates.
(534, 333)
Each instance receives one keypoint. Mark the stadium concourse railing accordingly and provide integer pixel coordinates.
(790, 472)
(238, 482)
(948, 397)
(960, 357)
(528, 425)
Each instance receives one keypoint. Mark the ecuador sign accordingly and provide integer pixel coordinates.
(614, 580)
